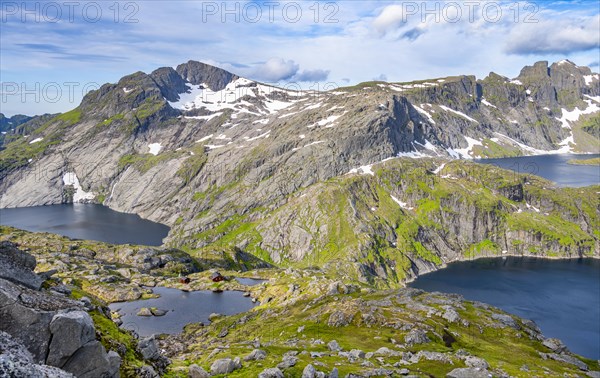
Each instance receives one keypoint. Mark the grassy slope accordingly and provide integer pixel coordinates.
(363, 224)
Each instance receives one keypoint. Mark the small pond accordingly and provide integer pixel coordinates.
(182, 308)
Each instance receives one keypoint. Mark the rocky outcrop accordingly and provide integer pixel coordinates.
(16, 361)
(56, 331)
(17, 266)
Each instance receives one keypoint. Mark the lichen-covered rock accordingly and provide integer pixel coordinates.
(16, 361)
(17, 266)
(416, 336)
(255, 355)
(70, 332)
(468, 373)
(196, 371)
(271, 373)
(225, 366)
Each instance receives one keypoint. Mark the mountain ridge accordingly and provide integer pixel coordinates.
(232, 163)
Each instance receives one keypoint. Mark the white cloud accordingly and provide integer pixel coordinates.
(274, 69)
(390, 19)
(562, 36)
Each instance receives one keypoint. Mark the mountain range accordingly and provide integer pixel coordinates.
(332, 178)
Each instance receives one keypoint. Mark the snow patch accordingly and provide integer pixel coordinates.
(36, 140)
(595, 98)
(458, 113)
(487, 103)
(467, 153)
(439, 169)
(204, 117)
(590, 78)
(204, 138)
(263, 135)
(127, 90)
(313, 106)
(517, 82)
(154, 148)
(70, 178)
(403, 205)
(572, 116)
(201, 96)
(426, 114)
(213, 146)
(364, 170)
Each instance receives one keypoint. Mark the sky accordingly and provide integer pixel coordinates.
(53, 52)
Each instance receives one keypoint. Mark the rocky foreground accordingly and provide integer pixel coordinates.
(55, 323)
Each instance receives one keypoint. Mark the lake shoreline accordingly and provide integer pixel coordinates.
(480, 257)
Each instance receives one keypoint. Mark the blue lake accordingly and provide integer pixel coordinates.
(561, 296)
(86, 221)
(552, 167)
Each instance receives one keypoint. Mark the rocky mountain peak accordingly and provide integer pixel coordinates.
(198, 73)
(538, 71)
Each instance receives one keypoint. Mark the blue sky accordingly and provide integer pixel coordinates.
(52, 52)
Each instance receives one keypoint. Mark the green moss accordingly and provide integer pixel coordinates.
(550, 228)
(592, 125)
(111, 337)
(109, 121)
(144, 162)
(484, 247)
(70, 117)
(192, 165)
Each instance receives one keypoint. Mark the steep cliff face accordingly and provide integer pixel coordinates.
(225, 160)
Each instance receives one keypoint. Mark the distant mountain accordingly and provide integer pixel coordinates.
(7, 123)
(287, 176)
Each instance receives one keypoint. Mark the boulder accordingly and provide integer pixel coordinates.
(356, 354)
(225, 366)
(17, 266)
(334, 346)
(26, 314)
(256, 354)
(468, 373)
(476, 362)
(287, 362)
(416, 336)
(196, 371)
(70, 331)
(554, 345)
(148, 348)
(309, 372)
(90, 361)
(568, 359)
(147, 371)
(271, 373)
(506, 320)
(144, 311)
(158, 311)
(451, 315)
(16, 361)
